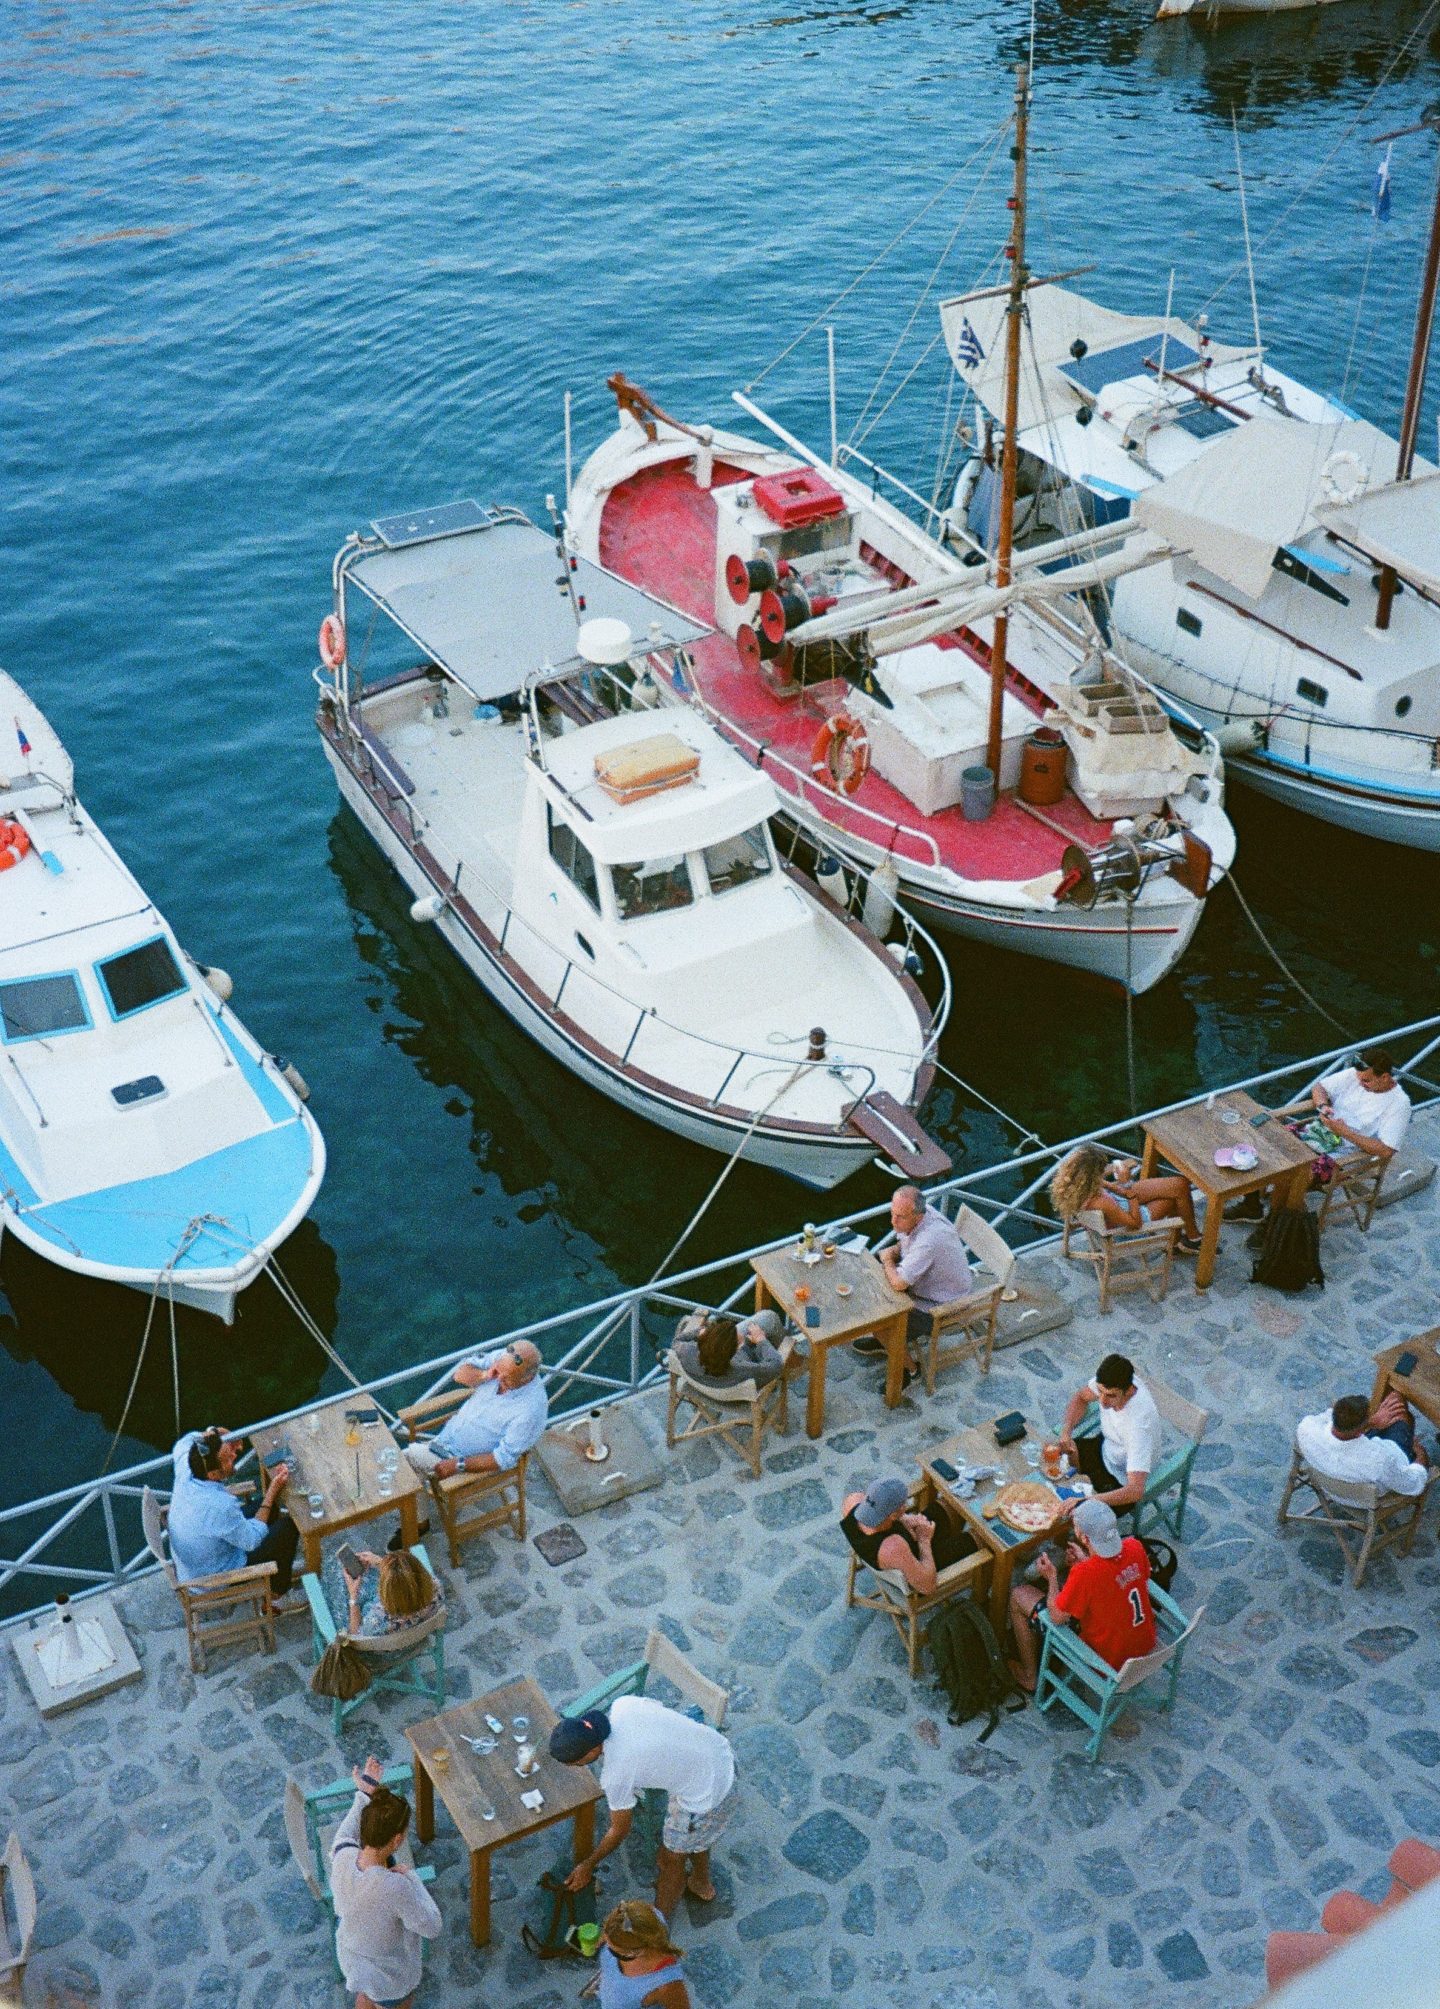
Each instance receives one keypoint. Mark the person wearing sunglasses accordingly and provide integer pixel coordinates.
(505, 1415)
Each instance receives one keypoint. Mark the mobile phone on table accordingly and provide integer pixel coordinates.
(362, 1415)
(1407, 1363)
(350, 1562)
(812, 1314)
(945, 1469)
(1256, 1122)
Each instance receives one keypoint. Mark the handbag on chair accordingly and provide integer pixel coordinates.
(341, 1672)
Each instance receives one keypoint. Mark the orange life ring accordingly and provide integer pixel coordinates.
(840, 757)
(14, 843)
(332, 642)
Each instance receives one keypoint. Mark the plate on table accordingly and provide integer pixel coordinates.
(1028, 1506)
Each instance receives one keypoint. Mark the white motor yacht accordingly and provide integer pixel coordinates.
(145, 1137)
(604, 867)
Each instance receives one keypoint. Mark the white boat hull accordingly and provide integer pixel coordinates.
(818, 1162)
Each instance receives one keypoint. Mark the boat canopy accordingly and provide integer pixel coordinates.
(1116, 348)
(1269, 482)
(486, 599)
(1397, 524)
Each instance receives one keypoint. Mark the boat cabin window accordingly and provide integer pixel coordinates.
(140, 977)
(33, 1007)
(736, 861)
(656, 887)
(1190, 623)
(1313, 693)
(573, 858)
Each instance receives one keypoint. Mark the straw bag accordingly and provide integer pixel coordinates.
(342, 1673)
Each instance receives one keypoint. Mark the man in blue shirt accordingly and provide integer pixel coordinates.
(209, 1530)
(506, 1414)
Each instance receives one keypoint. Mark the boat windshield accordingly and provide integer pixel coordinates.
(573, 859)
(34, 1006)
(656, 887)
(140, 977)
(737, 861)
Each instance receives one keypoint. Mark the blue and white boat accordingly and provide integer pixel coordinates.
(145, 1137)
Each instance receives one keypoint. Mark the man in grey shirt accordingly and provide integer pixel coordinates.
(928, 1260)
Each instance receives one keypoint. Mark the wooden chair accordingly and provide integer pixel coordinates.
(17, 1895)
(907, 1608)
(393, 1658)
(219, 1610)
(739, 1415)
(1353, 1512)
(977, 1313)
(497, 1498)
(701, 1697)
(1125, 1258)
(1355, 1188)
(1167, 1490)
(1095, 1691)
(311, 1820)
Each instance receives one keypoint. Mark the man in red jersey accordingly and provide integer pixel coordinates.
(1106, 1595)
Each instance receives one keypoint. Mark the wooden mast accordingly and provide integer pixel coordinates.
(1415, 382)
(1015, 252)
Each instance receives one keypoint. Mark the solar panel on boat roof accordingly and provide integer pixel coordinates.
(1203, 421)
(420, 525)
(1111, 366)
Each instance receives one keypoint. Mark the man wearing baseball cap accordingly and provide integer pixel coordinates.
(1106, 1595)
(880, 1531)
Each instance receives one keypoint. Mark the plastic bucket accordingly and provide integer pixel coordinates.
(977, 793)
(1042, 767)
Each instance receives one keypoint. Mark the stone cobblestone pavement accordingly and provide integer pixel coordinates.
(880, 1857)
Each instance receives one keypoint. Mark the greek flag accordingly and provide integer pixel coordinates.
(967, 349)
(1381, 204)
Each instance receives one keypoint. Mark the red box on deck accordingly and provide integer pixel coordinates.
(800, 497)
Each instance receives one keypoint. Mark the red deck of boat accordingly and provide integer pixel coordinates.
(658, 530)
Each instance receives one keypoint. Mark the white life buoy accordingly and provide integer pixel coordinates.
(1338, 490)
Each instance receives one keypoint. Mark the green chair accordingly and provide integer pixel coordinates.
(394, 1658)
(1162, 1504)
(701, 1698)
(1090, 1687)
(311, 1820)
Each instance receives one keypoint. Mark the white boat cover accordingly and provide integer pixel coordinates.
(490, 605)
(1052, 384)
(1263, 486)
(1397, 525)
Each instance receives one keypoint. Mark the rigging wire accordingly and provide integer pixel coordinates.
(1283, 966)
(1359, 310)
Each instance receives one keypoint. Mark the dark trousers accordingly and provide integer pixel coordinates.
(1401, 1433)
(279, 1547)
(1093, 1466)
(952, 1540)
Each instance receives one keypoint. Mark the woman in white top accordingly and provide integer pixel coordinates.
(382, 1908)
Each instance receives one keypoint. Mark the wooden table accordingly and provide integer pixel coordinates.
(872, 1306)
(327, 1464)
(1189, 1138)
(1420, 1389)
(470, 1781)
(977, 1446)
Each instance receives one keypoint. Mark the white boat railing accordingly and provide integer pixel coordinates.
(86, 1538)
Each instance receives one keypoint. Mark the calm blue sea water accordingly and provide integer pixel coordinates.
(270, 270)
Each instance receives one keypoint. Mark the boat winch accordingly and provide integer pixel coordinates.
(1133, 856)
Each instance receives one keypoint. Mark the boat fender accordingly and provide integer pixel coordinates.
(1238, 736)
(220, 981)
(292, 1074)
(14, 842)
(905, 959)
(879, 909)
(332, 642)
(830, 878)
(1343, 478)
(429, 907)
(840, 757)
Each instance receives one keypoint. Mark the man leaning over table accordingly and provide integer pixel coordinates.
(1364, 1106)
(1118, 1462)
(928, 1261)
(503, 1419)
(209, 1530)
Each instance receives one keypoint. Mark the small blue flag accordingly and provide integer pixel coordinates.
(968, 348)
(1381, 203)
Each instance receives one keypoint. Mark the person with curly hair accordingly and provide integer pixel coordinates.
(1087, 1180)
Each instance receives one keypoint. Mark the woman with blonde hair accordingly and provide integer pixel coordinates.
(639, 1968)
(1088, 1179)
(390, 1592)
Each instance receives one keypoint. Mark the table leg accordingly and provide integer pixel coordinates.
(480, 1896)
(894, 1341)
(1209, 1241)
(313, 1556)
(815, 1400)
(763, 1299)
(1000, 1577)
(584, 1830)
(410, 1520)
(1148, 1156)
(1381, 1388)
(424, 1804)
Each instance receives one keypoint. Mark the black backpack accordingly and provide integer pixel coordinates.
(969, 1665)
(1163, 1560)
(1289, 1256)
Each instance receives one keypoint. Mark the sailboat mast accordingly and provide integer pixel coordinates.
(1009, 452)
(1415, 382)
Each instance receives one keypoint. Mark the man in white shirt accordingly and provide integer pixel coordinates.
(1118, 1462)
(1348, 1442)
(641, 1744)
(1365, 1105)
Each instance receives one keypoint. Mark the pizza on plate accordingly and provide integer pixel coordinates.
(1027, 1505)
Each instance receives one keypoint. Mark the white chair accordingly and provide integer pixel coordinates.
(17, 1894)
(976, 1313)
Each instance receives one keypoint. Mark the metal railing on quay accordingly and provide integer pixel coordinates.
(80, 1546)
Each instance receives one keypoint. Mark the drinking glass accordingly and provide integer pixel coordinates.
(1031, 1453)
(316, 1504)
(487, 1813)
(387, 1482)
(520, 1724)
